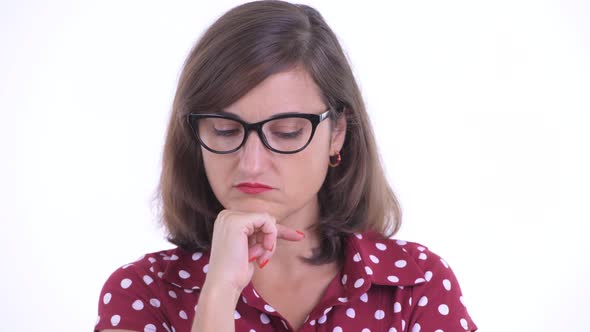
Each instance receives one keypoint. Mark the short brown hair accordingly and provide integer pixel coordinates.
(241, 49)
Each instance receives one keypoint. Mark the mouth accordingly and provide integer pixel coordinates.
(252, 187)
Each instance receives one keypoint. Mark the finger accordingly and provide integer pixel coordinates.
(266, 225)
(289, 234)
(255, 252)
(264, 258)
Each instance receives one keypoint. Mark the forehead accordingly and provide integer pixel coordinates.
(288, 91)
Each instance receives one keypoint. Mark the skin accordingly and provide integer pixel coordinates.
(262, 228)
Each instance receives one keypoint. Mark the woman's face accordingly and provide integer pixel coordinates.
(294, 179)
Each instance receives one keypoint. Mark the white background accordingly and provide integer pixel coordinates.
(481, 111)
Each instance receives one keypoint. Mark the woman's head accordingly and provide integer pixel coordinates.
(256, 61)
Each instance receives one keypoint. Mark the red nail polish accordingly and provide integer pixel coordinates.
(252, 259)
(300, 233)
(264, 263)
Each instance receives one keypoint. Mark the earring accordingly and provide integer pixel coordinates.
(338, 160)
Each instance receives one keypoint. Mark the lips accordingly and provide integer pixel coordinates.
(252, 187)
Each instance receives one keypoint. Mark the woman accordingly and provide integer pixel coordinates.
(273, 192)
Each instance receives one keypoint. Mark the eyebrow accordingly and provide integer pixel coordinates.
(234, 115)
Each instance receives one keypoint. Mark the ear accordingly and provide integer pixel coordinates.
(338, 134)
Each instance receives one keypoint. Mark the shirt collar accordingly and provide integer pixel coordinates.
(370, 258)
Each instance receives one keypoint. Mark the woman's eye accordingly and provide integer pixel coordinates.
(287, 135)
(226, 132)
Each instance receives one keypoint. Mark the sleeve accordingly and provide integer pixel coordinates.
(438, 302)
(127, 303)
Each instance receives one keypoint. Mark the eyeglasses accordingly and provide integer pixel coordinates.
(285, 133)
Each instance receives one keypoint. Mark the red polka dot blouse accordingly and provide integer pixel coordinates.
(384, 285)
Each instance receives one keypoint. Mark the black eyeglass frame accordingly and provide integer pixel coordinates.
(315, 120)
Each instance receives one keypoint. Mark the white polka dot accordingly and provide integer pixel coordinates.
(365, 298)
(428, 275)
(244, 299)
(125, 283)
(183, 274)
(107, 298)
(252, 330)
(374, 259)
(401, 242)
(365, 330)
(443, 309)
(359, 282)
(421, 248)
(447, 284)
(182, 314)
(322, 319)
(350, 312)
(115, 319)
(410, 301)
(393, 279)
(401, 263)
(190, 291)
(312, 322)
(206, 268)
(152, 269)
(160, 274)
(368, 270)
(237, 315)
(152, 260)
(393, 329)
(358, 236)
(285, 324)
(155, 303)
(461, 300)
(137, 305)
(439, 330)
(422, 256)
(127, 265)
(97, 320)
(327, 310)
(397, 307)
(463, 322)
(149, 328)
(344, 279)
(356, 257)
(172, 258)
(269, 308)
(380, 246)
(444, 263)
(147, 279)
(419, 280)
(379, 314)
(343, 299)
(337, 329)
(264, 318)
(423, 301)
(255, 294)
(172, 294)
(403, 325)
(197, 256)
(416, 328)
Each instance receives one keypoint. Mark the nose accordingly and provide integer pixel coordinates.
(254, 156)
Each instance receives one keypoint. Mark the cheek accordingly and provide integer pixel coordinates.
(214, 170)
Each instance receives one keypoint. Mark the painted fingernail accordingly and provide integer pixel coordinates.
(252, 259)
(300, 233)
(264, 263)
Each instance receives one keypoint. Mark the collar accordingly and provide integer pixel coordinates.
(370, 259)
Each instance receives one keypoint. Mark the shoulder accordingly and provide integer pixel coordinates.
(141, 293)
(433, 297)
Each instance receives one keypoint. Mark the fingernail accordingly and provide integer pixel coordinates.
(300, 233)
(264, 263)
(252, 259)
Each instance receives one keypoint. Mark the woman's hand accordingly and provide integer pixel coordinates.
(239, 241)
